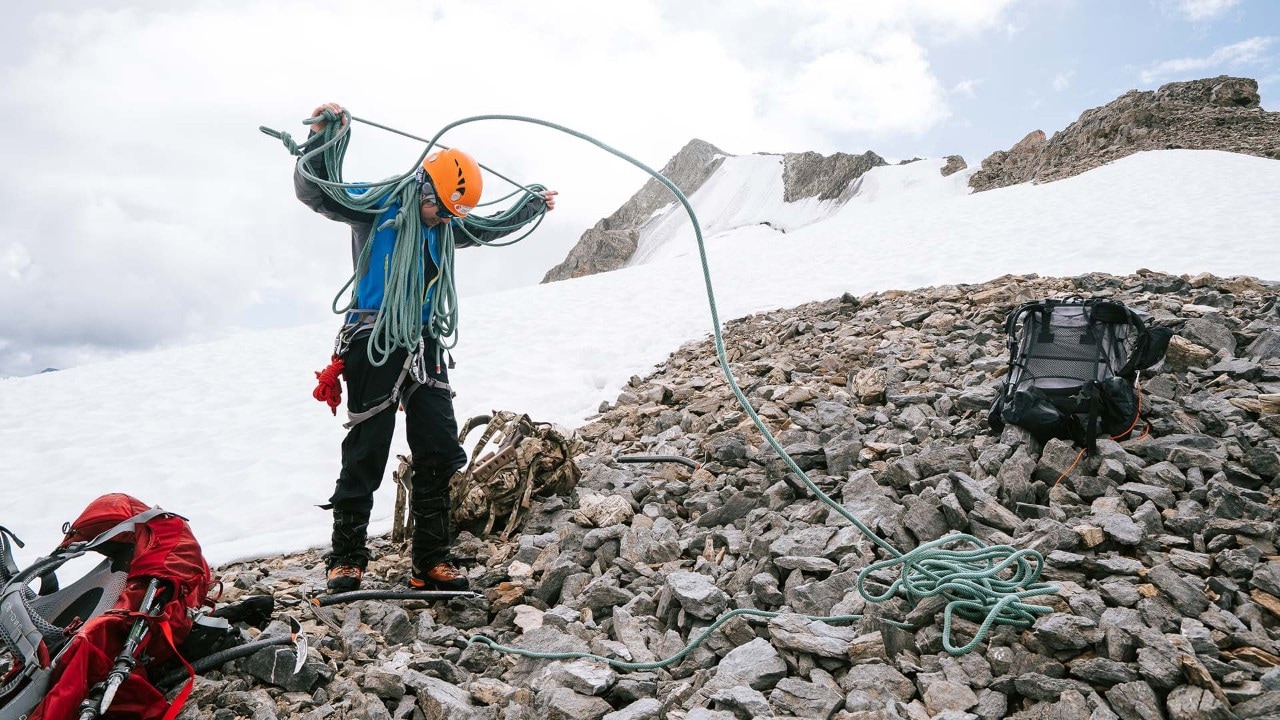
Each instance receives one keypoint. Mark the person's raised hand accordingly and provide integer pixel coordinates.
(549, 197)
(320, 125)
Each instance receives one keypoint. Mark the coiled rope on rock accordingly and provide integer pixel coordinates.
(986, 584)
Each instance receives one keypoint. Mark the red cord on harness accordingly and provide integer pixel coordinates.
(328, 388)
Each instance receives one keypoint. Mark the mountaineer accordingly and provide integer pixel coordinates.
(450, 185)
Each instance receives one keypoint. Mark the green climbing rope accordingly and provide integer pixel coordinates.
(398, 322)
(986, 584)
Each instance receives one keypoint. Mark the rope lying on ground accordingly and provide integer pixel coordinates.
(986, 584)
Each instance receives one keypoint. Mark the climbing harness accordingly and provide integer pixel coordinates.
(986, 584)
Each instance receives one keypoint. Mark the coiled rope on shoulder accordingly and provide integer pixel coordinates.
(398, 322)
(985, 584)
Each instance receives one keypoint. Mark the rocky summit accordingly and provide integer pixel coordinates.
(613, 241)
(1221, 113)
(1162, 547)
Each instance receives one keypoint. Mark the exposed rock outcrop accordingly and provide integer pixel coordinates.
(1163, 547)
(826, 177)
(1221, 113)
(955, 164)
(612, 241)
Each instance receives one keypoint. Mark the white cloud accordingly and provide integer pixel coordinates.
(887, 88)
(1252, 51)
(1201, 10)
(967, 88)
(1062, 80)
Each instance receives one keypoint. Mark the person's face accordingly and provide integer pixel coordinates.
(430, 210)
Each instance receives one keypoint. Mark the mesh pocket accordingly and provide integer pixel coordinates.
(1059, 358)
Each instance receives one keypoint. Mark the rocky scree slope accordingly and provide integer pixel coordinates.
(1163, 547)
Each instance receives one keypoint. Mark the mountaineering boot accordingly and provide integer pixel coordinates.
(431, 532)
(443, 576)
(347, 560)
(344, 578)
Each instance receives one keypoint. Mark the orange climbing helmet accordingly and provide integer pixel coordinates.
(455, 177)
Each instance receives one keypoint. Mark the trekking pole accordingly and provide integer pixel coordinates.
(128, 657)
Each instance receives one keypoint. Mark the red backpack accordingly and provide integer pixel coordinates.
(59, 646)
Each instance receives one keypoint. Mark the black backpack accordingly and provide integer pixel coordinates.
(1073, 369)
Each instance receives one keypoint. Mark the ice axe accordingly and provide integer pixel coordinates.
(127, 660)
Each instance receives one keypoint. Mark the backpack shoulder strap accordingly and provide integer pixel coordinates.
(8, 566)
(129, 525)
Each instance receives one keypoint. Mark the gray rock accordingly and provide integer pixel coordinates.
(1070, 706)
(545, 639)
(1266, 705)
(642, 709)
(803, 541)
(705, 714)
(1266, 578)
(1101, 671)
(1043, 688)
(742, 701)
(1135, 701)
(1188, 702)
(940, 694)
(697, 594)
(805, 564)
(878, 682)
(659, 542)
(583, 676)
(559, 703)
(806, 699)
(438, 699)
(1121, 528)
(385, 685)
(794, 632)
(1060, 631)
(1210, 333)
(756, 665)
(275, 665)
(1163, 497)
(1186, 597)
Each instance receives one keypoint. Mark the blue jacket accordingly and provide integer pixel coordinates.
(371, 287)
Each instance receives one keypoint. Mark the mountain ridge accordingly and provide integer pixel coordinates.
(1220, 113)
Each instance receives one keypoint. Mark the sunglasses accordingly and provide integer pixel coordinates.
(428, 195)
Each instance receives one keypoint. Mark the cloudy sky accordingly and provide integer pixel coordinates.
(140, 207)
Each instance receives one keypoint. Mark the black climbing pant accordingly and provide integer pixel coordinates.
(432, 432)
